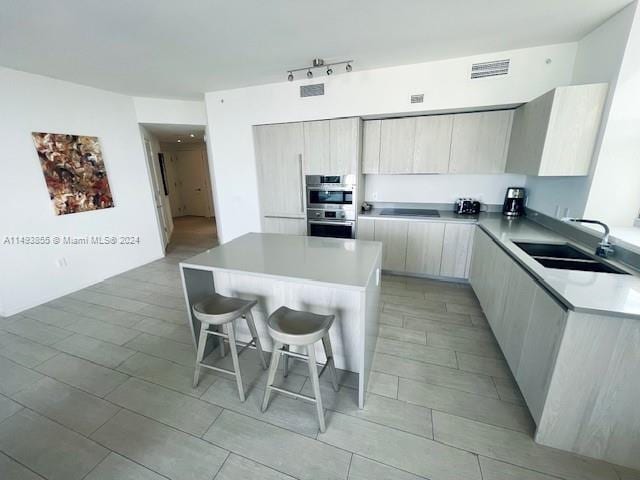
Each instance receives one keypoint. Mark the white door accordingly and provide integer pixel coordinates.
(195, 194)
(158, 192)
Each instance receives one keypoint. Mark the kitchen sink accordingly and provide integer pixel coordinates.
(566, 257)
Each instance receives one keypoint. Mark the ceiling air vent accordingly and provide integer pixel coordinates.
(417, 98)
(312, 90)
(490, 69)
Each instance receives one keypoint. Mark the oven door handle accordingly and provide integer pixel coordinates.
(330, 222)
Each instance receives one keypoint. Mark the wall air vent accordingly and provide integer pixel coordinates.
(312, 90)
(417, 98)
(490, 69)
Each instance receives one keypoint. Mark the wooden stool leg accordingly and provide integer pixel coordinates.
(202, 344)
(313, 374)
(254, 335)
(273, 367)
(326, 341)
(285, 363)
(233, 348)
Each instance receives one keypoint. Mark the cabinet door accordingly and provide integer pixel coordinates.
(344, 146)
(365, 229)
(279, 167)
(496, 279)
(481, 259)
(371, 146)
(539, 351)
(424, 247)
(479, 142)
(393, 235)
(432, 144)
(456, 250)
(291, 226)
(530, 124)
(517, 313)
(397, 140)
(317, 148)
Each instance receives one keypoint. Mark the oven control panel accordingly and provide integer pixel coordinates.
(321, 214)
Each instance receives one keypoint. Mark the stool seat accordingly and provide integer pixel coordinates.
(292, 327)
(217, 309)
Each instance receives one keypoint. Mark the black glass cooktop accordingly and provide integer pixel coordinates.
(410, 212)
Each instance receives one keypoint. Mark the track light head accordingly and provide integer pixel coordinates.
(309, 74)
(348, 68)
(290, 77)
(329, 71)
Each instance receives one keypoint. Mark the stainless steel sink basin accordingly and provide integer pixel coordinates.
(566, 257)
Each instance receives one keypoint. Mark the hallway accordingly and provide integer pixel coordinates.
(197, 233)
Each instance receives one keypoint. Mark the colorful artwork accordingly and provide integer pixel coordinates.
(74, 171)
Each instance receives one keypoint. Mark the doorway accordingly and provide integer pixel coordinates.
(179, 170)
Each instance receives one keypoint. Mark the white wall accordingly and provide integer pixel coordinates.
(598, 59)
(445, 84)
(488, 189)
(178, 112)
(30, 275)
(614, 196)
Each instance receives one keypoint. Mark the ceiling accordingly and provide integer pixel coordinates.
(165, 48)
(173, 133)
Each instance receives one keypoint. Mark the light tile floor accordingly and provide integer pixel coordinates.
(97, 385)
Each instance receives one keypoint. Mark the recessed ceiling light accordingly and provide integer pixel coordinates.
(192, 135)
(179, 141)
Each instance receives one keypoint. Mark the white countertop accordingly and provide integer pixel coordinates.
(335, 261)
(593, 292)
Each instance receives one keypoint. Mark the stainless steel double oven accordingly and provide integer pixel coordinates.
(331, 206)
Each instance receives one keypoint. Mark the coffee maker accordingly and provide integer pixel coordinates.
(514, 202)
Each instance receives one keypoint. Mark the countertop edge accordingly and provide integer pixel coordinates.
(275, 277)
(548, 288)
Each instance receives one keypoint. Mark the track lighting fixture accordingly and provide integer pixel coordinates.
(319, 63)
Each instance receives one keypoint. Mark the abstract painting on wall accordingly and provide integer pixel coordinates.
(74, 172)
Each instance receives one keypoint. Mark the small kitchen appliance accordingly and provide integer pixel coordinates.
(466, 206)
(514, 202)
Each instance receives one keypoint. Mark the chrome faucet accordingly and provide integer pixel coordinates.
(605, 249)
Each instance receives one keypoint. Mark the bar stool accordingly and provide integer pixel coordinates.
(289, 327)
(220, 311)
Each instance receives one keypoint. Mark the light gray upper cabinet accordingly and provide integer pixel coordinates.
(279, 166)
(397, 140)
(432, 145)
(331, 147)
(480, 141)
(555, 134)
(371, 146)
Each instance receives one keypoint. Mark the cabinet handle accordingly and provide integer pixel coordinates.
(302, 187)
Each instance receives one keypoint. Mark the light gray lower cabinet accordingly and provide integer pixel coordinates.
(288, 225)
(393, 235)
(526, 321)
(456, 250)
(424, 247)
(421, 248)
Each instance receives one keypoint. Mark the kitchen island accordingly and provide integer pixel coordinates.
(319, 275)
